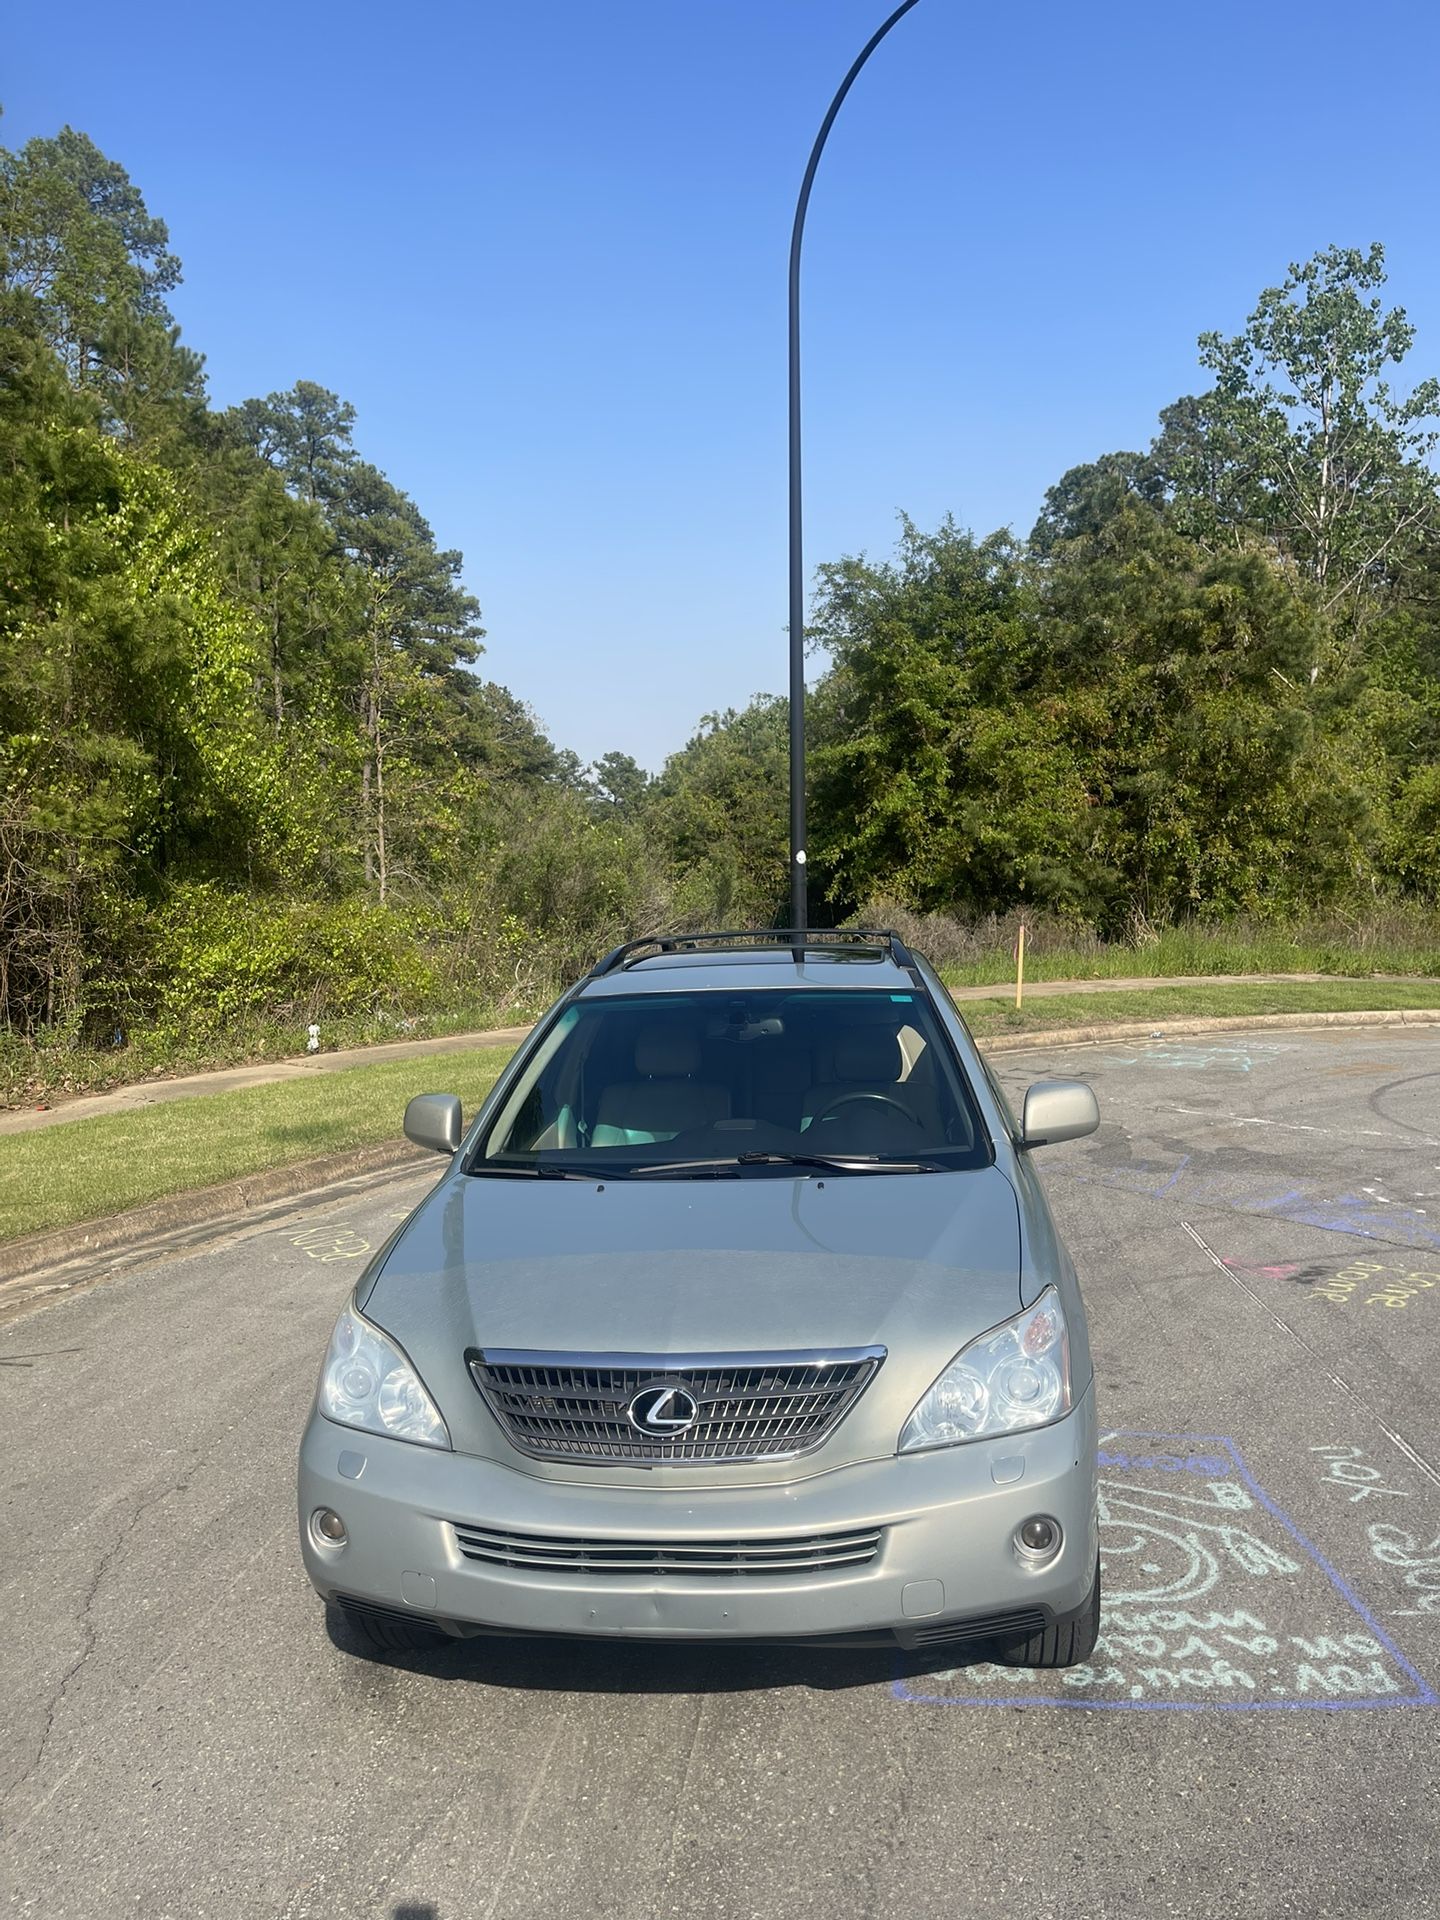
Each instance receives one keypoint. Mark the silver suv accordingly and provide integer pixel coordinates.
(739, 1314)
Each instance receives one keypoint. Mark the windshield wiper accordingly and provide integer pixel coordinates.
(727, 1164)
(534, 1171)
(831, 1162)
(844, 1162)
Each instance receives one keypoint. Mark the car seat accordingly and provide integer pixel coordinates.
(663, 1099)
(871, 1060)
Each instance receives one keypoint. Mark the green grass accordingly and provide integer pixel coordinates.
(87, 1169)
(1347, 952)
(1354, 940)
(989, 1017)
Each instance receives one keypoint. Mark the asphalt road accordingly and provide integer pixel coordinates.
(1258, 1227)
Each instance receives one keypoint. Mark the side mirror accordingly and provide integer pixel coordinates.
(433, 1120)
(1058, 1110)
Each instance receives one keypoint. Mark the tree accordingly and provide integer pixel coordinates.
(85, 267)
(418, 627)
(922, 647)
(1317, 449)
(1086, 497)
(305, 435)
(620, 782)
(129, 742)
(718, 810)
(499, 737)
(1199, 467)
(1221, 773)
(1133, 727)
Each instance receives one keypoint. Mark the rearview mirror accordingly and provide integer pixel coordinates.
(433, 1120)
(1058, 1110)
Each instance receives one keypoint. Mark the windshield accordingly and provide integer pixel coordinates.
(742, 1084)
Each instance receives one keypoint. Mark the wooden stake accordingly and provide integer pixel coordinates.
(1020, 967)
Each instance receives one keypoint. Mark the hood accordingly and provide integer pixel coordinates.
(918, 1264)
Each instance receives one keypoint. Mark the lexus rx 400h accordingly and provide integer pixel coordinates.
(739, 1314)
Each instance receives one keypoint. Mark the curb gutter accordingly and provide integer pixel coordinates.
(232, 1200)
(1214, 1023)
(197, 1206)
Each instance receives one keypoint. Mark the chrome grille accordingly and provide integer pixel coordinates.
(631, 1559)
(751, 1406)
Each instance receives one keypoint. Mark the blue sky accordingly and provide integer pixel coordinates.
(542, 249)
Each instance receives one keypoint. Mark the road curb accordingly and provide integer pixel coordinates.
(229, 1200)
(234, 1199)
(1214, 1023)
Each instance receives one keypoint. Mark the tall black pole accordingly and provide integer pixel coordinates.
(799, 893)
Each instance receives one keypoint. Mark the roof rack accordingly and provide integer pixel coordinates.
(799, 941)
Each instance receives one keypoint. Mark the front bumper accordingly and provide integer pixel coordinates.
(947, 1555)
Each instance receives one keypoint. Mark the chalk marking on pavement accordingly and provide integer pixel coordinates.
(1199, 1059)
(1203, 1574)
(1393, 1547)
(1345, 1467)
(1349, 1213)
(1396, 1439)
(1175, 1176)
(335, 1242)
(1347, 1287)
(1299, 1126)
(27, 1293)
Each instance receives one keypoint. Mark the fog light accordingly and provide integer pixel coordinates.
(328, 1528)
(1038, 1538)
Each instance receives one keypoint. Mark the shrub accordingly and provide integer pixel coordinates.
(216, 954)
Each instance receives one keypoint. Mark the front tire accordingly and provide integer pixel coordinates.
(378, 1633)
(1066, 1644)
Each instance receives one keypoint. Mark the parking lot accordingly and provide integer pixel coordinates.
(1257, 1225)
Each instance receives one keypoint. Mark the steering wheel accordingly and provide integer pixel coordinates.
(879, 1099)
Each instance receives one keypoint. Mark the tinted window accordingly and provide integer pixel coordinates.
(622, 1084)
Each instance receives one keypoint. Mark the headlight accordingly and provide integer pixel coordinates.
(1016, 1376)
(367, 1382)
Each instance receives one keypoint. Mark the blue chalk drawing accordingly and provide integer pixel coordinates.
(1198, 1562)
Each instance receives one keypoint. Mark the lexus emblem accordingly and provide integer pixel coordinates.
(663, 1411)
